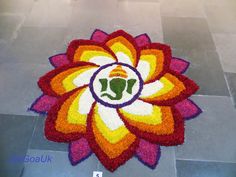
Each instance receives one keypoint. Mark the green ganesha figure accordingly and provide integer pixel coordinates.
(118, 84)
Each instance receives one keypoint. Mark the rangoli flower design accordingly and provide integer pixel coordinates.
(116, 96)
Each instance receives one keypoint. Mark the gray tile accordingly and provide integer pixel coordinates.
(165, 168)
(225, 46)
(18, 88)
(135, 22)
(88, 15)
(15, 135)
(231, 78)
(36, 45)
(187, 33)
(49, 13)
(211, 136)
(8, 26)
(182, 8)
(59, 165)
(205, 169)
(205, 66)
(221, 17)
(16, 6)
(39, 141)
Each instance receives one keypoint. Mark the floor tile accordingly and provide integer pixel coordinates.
(205, 66)
(36, 45)
(88, 15)
(205, 169)
(211, 136)
(59, 166)
(8, 26)
(18, 88)
(49, 13)
(224, 44)
(39, 140)
(187, 33)
(221, 18)
(165, 168)
(148, 21)
(16, 132)
(182, 8)
(231, 78)
(16, 6)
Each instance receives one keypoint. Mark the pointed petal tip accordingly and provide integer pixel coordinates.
(42, 104)
(179, 65)
(148, 153)
(188, 109)
(99, 35)
(142, 40)
(79, 151)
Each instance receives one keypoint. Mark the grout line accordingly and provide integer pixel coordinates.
(228, 87)
(208, 161)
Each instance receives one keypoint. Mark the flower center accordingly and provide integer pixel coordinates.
(116, 85)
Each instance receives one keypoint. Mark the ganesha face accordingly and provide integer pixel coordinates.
(116, 85)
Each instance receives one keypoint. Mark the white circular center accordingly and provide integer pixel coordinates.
(116, 84)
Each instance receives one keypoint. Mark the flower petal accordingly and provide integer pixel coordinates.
(59, 60)
(79, 150)
(157, 124)
(113, 144)
(124, 47)
(188, 109)
(169, 90)
(142, 40)
(90, 51)
(148, 153)
(179, 65)
(43, 103)
(66, 120)
(99, 36)
(155, 60)
(64, 79)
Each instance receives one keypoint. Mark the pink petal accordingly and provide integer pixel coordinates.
(148, 153)
(142, 39)
(43, 103)
(99, 36)
(179, 65)
(79, 150)
(59, 60)
(188, 109)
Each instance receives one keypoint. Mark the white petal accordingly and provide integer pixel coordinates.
(143, 68)
(123, 58)
(84, 78)
(101, 60)
(110, 117)
(139, 108)
(85, 101)
(151, 88)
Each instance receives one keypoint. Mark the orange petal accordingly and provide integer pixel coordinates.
(154, 61)
(66, 78)
(124, 47)
(112, 141)
(90, 51)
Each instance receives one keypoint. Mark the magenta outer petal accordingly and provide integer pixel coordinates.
(78, 151)
(43, 103)
(99, 36)
(179, 65)
(59, 60)
(148, 153)
(188, 109)
(142, 40)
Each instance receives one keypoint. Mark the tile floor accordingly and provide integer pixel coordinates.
(202, 31)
